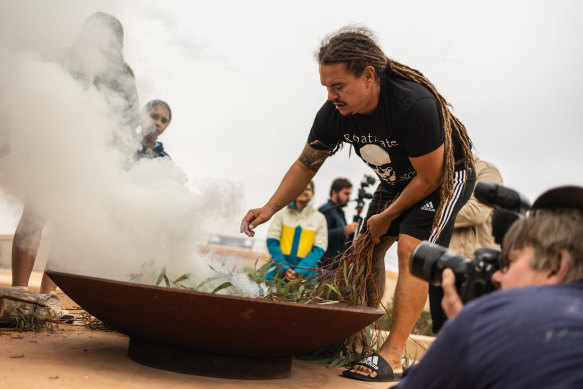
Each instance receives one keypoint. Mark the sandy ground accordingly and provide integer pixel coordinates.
(73, 356)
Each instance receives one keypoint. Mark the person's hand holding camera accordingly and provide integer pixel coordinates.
(350, 229)
(451, 302)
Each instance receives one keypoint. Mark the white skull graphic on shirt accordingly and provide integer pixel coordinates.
(378, 159)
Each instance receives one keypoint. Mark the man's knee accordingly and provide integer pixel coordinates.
(406, 246)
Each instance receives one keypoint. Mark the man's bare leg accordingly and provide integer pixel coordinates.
(376, 287)
(410, 297)
(25, 246)
(47, 285)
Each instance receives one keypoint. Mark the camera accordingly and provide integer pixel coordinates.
(473, 277)
(509, 204)
(362, 195)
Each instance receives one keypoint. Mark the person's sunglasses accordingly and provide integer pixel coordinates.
(155, 116)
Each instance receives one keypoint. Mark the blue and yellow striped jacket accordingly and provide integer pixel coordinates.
(297, 240)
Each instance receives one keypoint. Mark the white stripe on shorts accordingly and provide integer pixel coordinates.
(459, 181)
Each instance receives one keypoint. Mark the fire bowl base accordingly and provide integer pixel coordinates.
(187, 362)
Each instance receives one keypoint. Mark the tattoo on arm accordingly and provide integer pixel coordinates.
(313, 158)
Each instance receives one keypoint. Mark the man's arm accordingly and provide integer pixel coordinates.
(276, 254)
(474, 213)
(428, 178)
(294, 182)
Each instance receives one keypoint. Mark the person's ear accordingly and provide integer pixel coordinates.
(369, 75)
(564, 264)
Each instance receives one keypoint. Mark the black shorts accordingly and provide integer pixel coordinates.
(418, 220)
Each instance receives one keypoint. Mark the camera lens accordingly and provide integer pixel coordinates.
(423, 261)
(428, 261)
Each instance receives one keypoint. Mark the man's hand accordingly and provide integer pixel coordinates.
(254, 218)
(451, 302)
(350, 229)
(378, 225)
(290, 275)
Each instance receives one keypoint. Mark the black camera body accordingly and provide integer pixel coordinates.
(362, 195)
(473, 277)
(510, 206)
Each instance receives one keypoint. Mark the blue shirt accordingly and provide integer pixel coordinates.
(528, 337)
(156, 152)
(337, 240)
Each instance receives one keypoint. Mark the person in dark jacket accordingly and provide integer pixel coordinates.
(339, 232)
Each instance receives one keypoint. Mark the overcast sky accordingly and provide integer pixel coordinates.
(243, 84)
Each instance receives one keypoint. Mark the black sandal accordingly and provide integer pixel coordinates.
(377, 364)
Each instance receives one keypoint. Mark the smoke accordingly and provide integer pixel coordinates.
(66, 153)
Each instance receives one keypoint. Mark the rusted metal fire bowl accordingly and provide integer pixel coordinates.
(210, 334)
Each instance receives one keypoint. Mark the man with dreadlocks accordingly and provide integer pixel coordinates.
(403, 129)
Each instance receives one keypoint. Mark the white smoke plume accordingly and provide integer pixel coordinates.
(65, 157)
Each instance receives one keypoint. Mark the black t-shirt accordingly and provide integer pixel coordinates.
(406, 123)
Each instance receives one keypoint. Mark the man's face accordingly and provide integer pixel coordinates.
(342, 196)
(349, 93)
(156, 122)
(519, 273)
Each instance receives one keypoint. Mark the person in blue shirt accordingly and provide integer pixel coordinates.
(530, 333)
(156, 118)
(340, 233)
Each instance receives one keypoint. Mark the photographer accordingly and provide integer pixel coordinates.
(339, 232)
(530, 334)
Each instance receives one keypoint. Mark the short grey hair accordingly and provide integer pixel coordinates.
(548, 232)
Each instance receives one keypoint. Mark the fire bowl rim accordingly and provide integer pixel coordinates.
(331, 306)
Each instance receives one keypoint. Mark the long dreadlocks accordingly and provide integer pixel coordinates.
(356, 48)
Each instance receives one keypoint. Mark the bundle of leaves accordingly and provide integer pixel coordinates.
(352, 283)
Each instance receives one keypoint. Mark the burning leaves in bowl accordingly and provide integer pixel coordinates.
(348, 284)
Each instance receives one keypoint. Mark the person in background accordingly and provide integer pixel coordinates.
(529, 334)
(156, 117)
(296, 239)
(95, 60)
(472, 230)
(340, 233)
